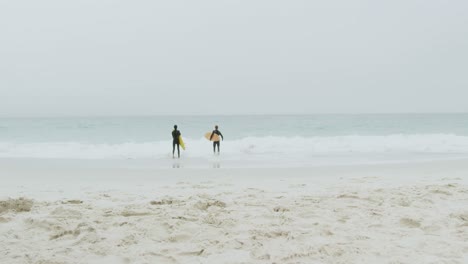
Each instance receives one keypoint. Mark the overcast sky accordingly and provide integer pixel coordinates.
(107, 57)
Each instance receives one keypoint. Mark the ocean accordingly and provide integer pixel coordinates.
(281, 140)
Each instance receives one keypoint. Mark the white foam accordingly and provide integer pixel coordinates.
(246, 148)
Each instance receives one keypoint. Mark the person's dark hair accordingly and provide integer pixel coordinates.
(175, 126)
(216, 126)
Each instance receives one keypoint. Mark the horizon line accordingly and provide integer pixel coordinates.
(251, 114)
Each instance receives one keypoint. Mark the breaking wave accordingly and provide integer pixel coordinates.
(250, 146)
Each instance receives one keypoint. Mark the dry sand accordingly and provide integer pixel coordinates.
(401, 213)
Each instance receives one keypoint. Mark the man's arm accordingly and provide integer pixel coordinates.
(212, 133)
(221, 135)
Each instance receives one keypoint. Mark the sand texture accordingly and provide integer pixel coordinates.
(216, 220)
(413, 213)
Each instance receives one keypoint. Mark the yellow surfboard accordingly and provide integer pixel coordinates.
(181, 143)
(214, 138)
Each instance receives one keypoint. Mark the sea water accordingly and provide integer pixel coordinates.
(269, 140)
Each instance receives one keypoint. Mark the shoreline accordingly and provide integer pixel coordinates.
(37, 176)
(188, 163)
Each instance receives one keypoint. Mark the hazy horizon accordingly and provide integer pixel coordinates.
(107, 58)
(227, 115)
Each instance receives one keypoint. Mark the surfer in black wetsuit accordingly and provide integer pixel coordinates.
(216, 143)
(175, 141)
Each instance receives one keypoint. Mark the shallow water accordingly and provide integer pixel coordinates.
(279, 140)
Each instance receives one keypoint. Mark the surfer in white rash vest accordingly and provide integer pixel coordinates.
(175, 141)
(216, 143)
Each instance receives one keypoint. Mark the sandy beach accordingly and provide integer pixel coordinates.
(78, 212)
(270, 132)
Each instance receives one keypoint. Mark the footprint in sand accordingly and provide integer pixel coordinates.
(179, 237)
(127, 241)
(130, 213)
(167, 201)
(204, 205)
(348, 196)
(408, 222)
(63, 233)
(281, 209)
(404, 202)
(463, 217)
